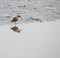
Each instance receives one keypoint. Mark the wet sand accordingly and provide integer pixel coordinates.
(36, 40)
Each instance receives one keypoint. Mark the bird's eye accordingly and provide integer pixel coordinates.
(18, 15)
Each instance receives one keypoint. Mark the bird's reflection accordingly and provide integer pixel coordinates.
(15, 29)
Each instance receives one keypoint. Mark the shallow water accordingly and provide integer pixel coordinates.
(45, 10)
(36, 40)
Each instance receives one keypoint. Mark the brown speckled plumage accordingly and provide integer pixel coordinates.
(15, 19)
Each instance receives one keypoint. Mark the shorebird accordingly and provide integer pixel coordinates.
(16, 29)
(15, 19)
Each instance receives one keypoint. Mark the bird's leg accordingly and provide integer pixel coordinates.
(15, 23)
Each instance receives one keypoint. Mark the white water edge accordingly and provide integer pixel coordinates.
(44, 10)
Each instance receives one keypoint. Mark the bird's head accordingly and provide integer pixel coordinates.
(18, 16)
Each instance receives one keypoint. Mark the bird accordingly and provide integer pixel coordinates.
(15, 19)
(16, 29)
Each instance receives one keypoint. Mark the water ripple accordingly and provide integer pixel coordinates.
(46, 10)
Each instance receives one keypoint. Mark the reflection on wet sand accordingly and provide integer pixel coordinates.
(16, 29)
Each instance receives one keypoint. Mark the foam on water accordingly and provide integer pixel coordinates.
(45, 10)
